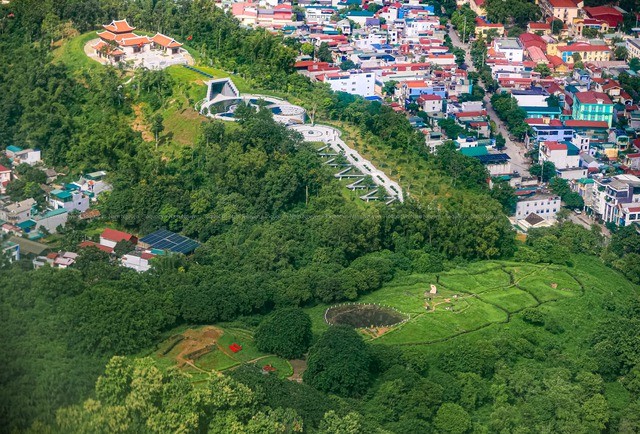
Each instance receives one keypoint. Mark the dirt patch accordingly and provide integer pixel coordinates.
(299, 366)
(363, 315)
(196, 343)
(140, 125)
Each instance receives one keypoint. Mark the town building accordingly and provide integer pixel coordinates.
(68, 199)
(137, 260)
(5, 178)
(10, 250)
(587, 52)
(510, 48)
(633, 47)
(616, 199)
(353, 82)
(111, 237)
(564, 10)
(593, 106)
(544, 205)
(611, 15)
(19, 156)
(18, 212)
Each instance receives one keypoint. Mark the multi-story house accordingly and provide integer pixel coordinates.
(5, 177)
(69, 200)
(587, 52)
(356, 83)
(593, 106)
(633, 47)
(565, 156)
(544, 205)
(511, 48)
(18, 212)
(621, 199)
(565, 10)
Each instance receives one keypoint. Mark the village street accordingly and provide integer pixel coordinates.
(516, 151)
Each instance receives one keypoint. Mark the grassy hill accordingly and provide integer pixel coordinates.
(485, 296)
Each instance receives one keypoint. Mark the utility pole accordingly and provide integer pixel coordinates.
(464, 31)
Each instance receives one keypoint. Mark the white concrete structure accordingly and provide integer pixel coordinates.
(356, 83)
(17, 212)
(331, 136)
(546, 206)
(138, 261)
(510, 47)
(51, 220)
(565, 156)
(633, 48)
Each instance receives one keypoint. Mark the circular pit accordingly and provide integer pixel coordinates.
(363, 315)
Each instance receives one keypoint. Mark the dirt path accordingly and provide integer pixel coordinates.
(140, 125)
(196, 340)
(299, 366)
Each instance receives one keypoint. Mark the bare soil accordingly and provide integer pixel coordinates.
(197, 342)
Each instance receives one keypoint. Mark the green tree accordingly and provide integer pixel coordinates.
(307, 49)
(543, 69)
(452, 419)
(286, 332)
(332, 423)
(389, 87)
(544, 171)
(501, 142)
(347, 64)
(620, 53)
(123, 247)
(505, 194)
(557, 26)
(324, 54)
(339, 363)
(157, 126)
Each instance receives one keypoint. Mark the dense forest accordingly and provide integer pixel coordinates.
(277, 232)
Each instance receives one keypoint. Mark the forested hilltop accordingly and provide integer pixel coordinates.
(279, 232)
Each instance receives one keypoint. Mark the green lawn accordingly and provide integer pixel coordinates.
(468, 299)
(283, 367)
(216, 360)
(71, 53)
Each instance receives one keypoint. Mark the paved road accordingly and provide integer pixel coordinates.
(515, 151)
(586, 222)
(331, 136)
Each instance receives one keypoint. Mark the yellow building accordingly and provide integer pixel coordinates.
(587, 52)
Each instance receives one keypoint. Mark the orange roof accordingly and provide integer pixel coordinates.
(121, 26)
(96, 245)
(137, 40)
(555, 146)
(165, 41)
(106, 35)
(414, 83)
(114, 235)
(563, 4)
(585, 124)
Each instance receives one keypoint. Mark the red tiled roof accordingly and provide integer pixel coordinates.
(563, 4)
(137, 40)
(115, 235)
(540, 26)
(585, 124)
(471, 114)
(121, 26)
(4, 169)
(594, 11)
(555, 146)
(165, 41)
(593, 98)
(84, 244)
(580, 47)
(425, 97)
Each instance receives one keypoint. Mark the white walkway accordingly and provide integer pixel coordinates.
(331, 136)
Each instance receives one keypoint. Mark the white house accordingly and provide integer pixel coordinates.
(18, 155)
(10, 250)
(17, 212)
(138, 261)
(544, 205)
(69, 200)
(510, 47)
(430, 103)
(565, 156)
(111, 237)
(5, 177)
(356, 83)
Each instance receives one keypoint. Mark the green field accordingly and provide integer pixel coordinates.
(220, 358)
(468, 299)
